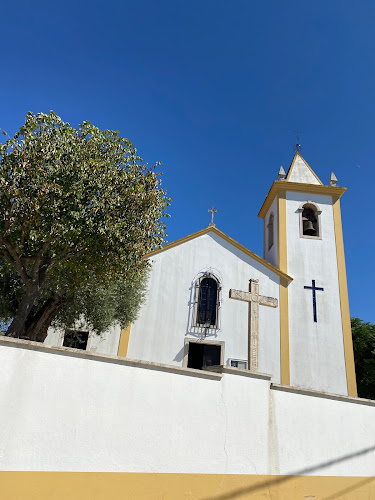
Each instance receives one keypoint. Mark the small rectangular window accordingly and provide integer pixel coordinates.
(76, 339)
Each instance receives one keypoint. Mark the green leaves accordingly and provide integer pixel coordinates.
(77, 198)
(364, 355)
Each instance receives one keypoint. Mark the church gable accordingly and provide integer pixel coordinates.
(231, 246)
(301, 172)
(189, 302)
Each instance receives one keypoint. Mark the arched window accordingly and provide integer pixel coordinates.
(309, 220)
(270, 231)
(207, 304)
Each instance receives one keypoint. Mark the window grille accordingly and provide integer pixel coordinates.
(207, 302)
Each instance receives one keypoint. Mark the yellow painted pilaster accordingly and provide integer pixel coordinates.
(284, 311)
(124, 341)
(344, 301)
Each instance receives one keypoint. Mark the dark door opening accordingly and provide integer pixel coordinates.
(203, 355)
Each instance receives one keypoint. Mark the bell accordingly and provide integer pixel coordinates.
(309, 229)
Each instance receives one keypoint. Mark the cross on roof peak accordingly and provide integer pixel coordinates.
(213, 211)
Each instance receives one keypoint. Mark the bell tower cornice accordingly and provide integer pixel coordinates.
(282, 186)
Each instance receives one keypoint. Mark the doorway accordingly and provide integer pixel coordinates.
(201, 356)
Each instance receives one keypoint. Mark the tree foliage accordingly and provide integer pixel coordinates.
(80, 211)
(364, 356)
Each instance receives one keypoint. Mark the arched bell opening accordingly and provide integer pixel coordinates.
(310, 220)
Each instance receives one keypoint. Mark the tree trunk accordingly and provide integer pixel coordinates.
(17, 327)
(37, 325)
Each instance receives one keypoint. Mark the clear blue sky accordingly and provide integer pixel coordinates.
(214, 90)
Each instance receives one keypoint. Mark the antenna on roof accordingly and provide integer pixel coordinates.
(297, 147)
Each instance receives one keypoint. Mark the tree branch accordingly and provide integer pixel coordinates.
(14, 258)
(39, 257)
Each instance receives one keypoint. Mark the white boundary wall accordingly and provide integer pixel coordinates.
(63, 410)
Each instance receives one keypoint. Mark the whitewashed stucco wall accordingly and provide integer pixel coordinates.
(165, 320)
(67, 412)
(316, 349)
(106, 343)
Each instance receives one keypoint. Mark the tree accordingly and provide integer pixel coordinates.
(80, 211)
(90, 304)
(364, 356)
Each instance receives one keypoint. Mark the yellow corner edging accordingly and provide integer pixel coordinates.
(344, 302)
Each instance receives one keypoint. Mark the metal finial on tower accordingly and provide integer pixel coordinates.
(213, 211)
(297, 147)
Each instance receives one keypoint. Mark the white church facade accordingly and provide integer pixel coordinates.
(302, 339)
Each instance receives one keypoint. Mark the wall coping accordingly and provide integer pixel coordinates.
(108, 358)
(320, 394)
(213, 372)
(238, 371)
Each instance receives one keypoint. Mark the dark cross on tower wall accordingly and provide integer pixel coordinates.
(314, 289)
(254, 300)
(213, 211)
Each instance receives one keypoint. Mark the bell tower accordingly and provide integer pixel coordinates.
(303, 238)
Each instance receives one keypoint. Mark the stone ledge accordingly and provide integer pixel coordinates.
(108, 358)
(238, 371)
(319, 394)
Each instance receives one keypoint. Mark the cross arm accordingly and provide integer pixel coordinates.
(240, 295)
(267, 301)
(252, 297)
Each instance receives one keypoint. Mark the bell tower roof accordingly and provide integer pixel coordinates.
(301, 172)
(300, 178)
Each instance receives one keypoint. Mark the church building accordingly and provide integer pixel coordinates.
(237, 379)
(211, 301)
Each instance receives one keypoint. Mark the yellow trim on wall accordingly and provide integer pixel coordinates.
(124, 341)
(282, 254)
(282, 242)
(279, 186)
(227, 239)
(21, 485)
(344, 301)
(284, 334)
(307, 165)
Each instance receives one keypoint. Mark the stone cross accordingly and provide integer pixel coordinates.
(254, 300)
(213, 211)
